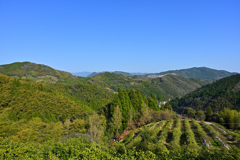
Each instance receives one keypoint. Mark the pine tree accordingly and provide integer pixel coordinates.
(209, 111)
(115, 102)
(139, 100)
(134, 99)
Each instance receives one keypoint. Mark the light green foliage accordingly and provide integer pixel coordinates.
(218, 95)
(214, 132)
(209, 111)
(231, 118)
(189, 134)
(200, 131)
(165, 130)
(176, 135)
(97, 127)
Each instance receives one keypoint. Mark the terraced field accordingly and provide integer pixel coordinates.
(173, 134)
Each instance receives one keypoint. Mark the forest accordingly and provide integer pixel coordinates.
(82, 118)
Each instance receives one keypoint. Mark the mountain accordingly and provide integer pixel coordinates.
(123, 73)
(219, 94)
(165, 87)
(82, 74)
(92, 74)
(29, 99)
(203, 73)
(138, 73)
(38, 72)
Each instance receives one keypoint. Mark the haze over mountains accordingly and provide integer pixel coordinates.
(90, 74)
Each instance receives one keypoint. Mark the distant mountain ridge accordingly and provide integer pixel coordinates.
(82, 74)
(203, 73)
(168, 86)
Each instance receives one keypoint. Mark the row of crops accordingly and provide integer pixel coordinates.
(173, 134)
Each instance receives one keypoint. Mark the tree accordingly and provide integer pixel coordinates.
(66, 126)
(115, 102)
(200, 115)
(209, 111)
(189, 112)
(145, 114)
(168, 106)
(96, 127)
(78, 125)
(117, 119)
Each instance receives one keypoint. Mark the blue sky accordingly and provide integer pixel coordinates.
(123, 35)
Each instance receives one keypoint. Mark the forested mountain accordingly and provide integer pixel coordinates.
(34, 71)
(165, 87)
(222, 93)
(123, 73)
(26, 99)
(203, 73)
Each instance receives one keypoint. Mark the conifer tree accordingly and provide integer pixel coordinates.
(115, 102)
(209, 111)
(134, 99)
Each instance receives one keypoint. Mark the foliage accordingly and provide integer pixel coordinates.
(210, 128)
(189, 134)
(231, 118)
(163, 88)
(176, 134)
(27, 100)
(217, 95)
(38, 71)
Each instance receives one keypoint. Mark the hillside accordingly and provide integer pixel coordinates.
(38, 72)
(123, 73)
(202, 73)
(26, 99)
(222, 93)
(165, 87)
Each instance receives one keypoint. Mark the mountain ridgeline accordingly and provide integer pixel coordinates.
(202, 73)
(163, 88)
(35, 71)
(218, 95)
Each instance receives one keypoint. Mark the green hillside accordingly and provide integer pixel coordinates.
(203, 73)
(222, 93)
(38, 72)
(26, 99)
(165, 87)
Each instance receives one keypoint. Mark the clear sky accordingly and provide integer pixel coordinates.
(121, 35)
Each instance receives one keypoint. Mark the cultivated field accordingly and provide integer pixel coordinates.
(176, 133)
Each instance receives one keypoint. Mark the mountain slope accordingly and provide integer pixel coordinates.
(31, 99)
(203, 73)
(123, 73)
(222, 93)
(34, 71)
(165, 87)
